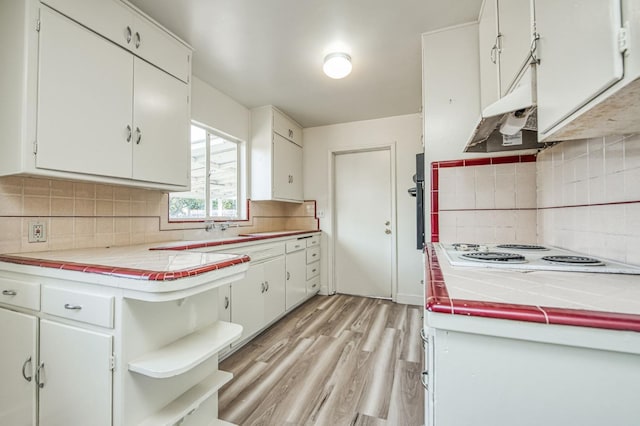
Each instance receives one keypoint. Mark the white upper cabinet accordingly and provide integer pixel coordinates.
(586, 58)
(105, 99)
(505, 31)
(118, 23)
(276, 156)
(73, 64)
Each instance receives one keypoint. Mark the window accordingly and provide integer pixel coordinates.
(215, 179)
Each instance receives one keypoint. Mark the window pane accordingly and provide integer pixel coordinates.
(191, 204)
(223, 183)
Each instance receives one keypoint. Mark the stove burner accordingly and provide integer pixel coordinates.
(495, 257)
(465, 246)
(573, 260)
(521, 247)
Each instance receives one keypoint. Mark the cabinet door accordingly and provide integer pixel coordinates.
(577, 62)
(75, 375)
(287, 169)
(274, 296)
(84, 100)
(487, 40)
(514, 22)
(224, 303)
(296, 285)
(18, 355)
(161, 127)
(161, 49)
(247, 302)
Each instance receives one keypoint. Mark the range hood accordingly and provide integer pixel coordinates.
(510, 123)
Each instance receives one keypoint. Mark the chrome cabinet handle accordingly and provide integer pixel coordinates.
(314, 254)
(423, 379)
(290, 134)
(71, 307)
(266, 283)
(138, 40)
(387, 231)
(288, 275)
(40, 370)
(129, 133)
(262, 288)
(24, 370)
(138, 135)
(129, 34)
(226, 302)
(313, 270)
(9, 292)
(423, 336)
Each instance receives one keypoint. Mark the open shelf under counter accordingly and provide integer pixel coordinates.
(187, 352)
(189, 401)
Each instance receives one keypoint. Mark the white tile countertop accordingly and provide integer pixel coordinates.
(572, 298)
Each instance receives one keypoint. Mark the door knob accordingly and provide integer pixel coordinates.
(387, 231)
(387, 223)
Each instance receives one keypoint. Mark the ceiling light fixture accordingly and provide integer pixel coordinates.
(337, 65)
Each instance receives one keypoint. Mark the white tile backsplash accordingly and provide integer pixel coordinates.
(588, 195)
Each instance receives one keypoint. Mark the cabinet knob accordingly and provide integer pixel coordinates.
(288, 275)
(129, 133)
(9, 292)
(138, 40)
(128, 34)
(226, 302)
(262, 287)
(266, 283)
(290, 133)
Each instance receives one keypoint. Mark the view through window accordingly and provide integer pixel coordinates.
(215, 179)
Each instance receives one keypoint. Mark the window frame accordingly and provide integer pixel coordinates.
(242, 178)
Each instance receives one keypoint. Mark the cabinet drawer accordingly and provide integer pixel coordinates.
(262, 252)
(313, 254)
(85, 307)
(313, 285)
(20, 293)
(313, 241)
(286, 128)
(313, 270)
(295, 245)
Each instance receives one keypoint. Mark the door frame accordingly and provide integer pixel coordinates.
(391, 147)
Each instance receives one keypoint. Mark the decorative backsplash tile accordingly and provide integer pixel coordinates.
(589, 197)
(85, 215)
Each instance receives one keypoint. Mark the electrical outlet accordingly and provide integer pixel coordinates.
(37, 232)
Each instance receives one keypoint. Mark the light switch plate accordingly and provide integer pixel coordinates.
(37, 232)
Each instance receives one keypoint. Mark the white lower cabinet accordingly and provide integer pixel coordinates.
(18, 334)
(258, 299)
(296, 273)
(74, 376)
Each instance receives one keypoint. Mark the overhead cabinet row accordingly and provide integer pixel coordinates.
(104, 95)
(573, 62)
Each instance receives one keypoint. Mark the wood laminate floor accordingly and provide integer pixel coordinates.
(336, 360)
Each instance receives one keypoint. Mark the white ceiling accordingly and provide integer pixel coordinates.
(270, 51)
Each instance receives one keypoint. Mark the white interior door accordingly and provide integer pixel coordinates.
(363, 213)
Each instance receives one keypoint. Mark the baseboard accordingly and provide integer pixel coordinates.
(410, 299)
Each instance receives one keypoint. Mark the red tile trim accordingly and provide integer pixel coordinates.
(241, 239)
(435, 181)
(140, 274)
(438, 300)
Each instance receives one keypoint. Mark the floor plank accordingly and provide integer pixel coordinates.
(336, 360)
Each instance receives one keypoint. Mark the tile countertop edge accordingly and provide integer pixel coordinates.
(438, 301)
(134, 273)
(241, 239)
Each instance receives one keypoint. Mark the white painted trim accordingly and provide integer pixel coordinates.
(452, 27)
(409, 299)
(391, 147)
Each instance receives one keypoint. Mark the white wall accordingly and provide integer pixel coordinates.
(405, 131)
(215, 109)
